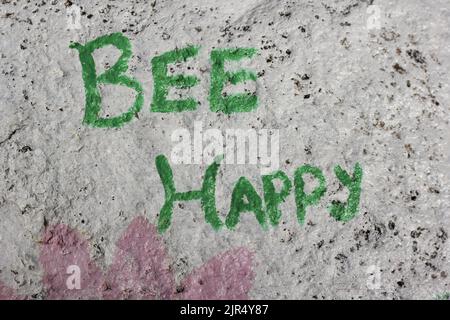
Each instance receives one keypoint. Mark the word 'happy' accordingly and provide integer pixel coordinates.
(245, 198)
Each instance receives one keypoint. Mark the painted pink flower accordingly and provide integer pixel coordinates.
(140, 269)
(7, 293)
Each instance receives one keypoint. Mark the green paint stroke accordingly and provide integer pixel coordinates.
(206, 194)
(302, 200)
(163, 82)
(114, 75)
(443, 296)
(241, 102)
(343, 212)
(273, 199)
(243, 188)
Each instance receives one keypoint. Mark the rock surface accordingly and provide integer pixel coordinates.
(343, 81)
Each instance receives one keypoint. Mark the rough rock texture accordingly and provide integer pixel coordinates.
(338, 91)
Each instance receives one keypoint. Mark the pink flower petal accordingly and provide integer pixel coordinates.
(63, 248)
(6, 293)
(140, 269)
(227, 276)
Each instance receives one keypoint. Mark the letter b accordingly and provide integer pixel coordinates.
(114, 75)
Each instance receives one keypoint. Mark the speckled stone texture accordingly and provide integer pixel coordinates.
(341, 84)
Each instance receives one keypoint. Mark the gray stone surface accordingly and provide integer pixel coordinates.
(378, 96)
